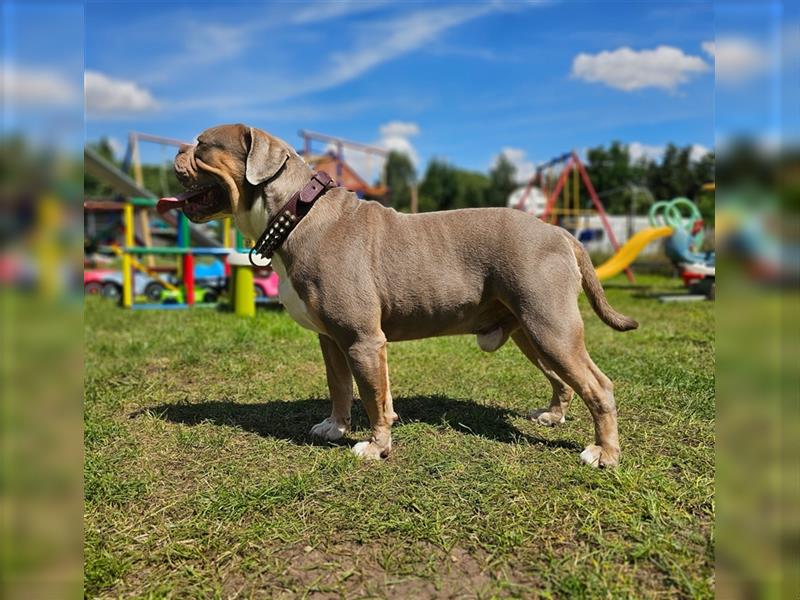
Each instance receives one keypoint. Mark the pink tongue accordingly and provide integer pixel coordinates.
(166, 204)
(178, 201)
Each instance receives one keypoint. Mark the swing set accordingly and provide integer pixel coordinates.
(334, 164)
(560, 179)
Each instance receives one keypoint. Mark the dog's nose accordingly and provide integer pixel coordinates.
(182, 166)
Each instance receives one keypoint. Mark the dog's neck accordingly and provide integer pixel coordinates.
(270, 197)
(269, 200)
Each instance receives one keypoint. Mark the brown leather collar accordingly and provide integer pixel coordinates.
(290, 214)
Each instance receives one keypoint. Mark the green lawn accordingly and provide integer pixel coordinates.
(202, 481)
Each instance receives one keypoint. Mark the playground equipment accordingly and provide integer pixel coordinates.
(698, 269)
(183, 251)
(191, 241)
(334, 164)
(684, 232)
(566, 186)
(630, 250)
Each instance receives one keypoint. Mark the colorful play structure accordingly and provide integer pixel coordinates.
(148, 280)
(554, 195)
(185, 282)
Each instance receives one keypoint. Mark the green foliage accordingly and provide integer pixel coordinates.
(438, 190)
(400, 175)
(446, 187)
(627, 186)
(502, 180)
(624, 186)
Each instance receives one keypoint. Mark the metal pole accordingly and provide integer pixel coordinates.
(127, 265)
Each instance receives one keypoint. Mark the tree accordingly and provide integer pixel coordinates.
(400, 175)
(439, 188)
(472, 189)
(502, 182)
(615, 178)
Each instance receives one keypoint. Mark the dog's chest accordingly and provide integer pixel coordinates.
(291, 301)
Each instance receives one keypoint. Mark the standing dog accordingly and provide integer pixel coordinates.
(360, 275)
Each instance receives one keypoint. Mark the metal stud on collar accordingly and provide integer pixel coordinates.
(281, 226)
(273, 238)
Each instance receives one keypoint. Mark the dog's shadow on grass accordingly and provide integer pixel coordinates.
(291, 420)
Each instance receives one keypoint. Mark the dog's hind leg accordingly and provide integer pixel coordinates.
(562, 393)
(340, 386)
(557, 336)
(367, 359)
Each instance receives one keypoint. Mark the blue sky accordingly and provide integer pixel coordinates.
(459, 81)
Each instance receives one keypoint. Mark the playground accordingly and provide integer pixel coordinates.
(199, 467)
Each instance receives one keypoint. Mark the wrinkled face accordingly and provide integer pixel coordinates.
(213, 172)
(223, 169)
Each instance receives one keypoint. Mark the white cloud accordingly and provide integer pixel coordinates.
(36, 87)
(227, 41)
(737, 59)
(324, 11)
(698, 152)
(638, 151)
(386, 41)
(108, 97)
(117, 147)
(525, 168)
(396, 135)
(626, 69)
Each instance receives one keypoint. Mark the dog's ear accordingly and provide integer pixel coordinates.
(265, 157)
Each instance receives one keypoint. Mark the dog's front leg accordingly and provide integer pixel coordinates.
(340, 386)
(367, 359)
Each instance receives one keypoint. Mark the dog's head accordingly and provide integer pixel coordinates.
(223, 169)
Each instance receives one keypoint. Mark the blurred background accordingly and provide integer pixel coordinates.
(422, 106)
(41, 191)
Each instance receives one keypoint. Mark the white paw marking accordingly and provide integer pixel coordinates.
(368, 450)
(591, 455)
(329, 429)
(491, 340)
(362, 450)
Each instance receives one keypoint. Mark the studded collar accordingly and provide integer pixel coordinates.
(289, 215)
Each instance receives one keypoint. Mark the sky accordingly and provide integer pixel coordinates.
(459, 81)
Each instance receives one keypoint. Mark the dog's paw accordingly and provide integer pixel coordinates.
(369, 450)
(542, 416)
(597, 456)
(329, 429)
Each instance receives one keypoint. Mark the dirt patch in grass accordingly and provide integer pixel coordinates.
(347, 570)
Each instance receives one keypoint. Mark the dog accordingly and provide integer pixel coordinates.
(360, 275)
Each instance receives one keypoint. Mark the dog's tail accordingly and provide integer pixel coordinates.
(594, 291)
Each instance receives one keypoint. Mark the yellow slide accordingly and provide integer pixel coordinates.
(628, 252)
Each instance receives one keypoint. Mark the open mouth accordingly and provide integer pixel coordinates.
(200, 204)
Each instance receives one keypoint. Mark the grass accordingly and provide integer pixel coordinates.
(201, 479)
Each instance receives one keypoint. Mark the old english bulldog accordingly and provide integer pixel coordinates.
(360, 275)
